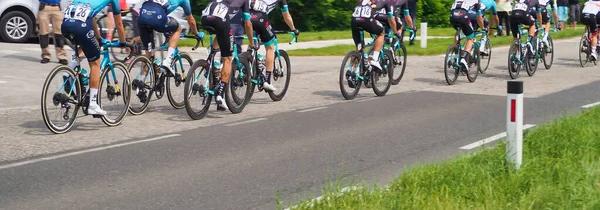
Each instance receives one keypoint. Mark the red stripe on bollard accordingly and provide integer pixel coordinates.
(513, 110)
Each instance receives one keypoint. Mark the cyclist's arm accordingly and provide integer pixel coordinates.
(187, 10)
(407, 16)
(247, 24)
(538, 13)
(479, 15)
(390, 16)
(495, 13)
(555, 15)
(118, 20)
(286, 15)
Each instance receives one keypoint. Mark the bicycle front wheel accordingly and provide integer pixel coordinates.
(61, 92)
(114, 93)
(197, 85)
(450, 63)
(584, 51)
(474, 71)
(400, 63)
(175, 85)
(349, 75)
(382, 80)
(239, 88)
(548, 53)
(280, 78)
(514, 59)
(532, 59)
(142, 85)
(486, 56)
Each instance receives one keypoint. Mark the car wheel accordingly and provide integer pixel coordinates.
(16, 26)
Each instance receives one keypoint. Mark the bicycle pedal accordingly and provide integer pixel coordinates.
(97, 116)
(219, 108)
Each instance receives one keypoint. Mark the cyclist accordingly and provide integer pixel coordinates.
(153, 17)
(217, 15)
(78, 23)
(545, 22)
(487, 5)
(363, 18)
(589, 16)
(110, 21)
(522, 14)
(460, 19)
(399, 4)
(260, 10)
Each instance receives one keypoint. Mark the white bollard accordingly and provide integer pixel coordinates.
(423, 34)
(514, 123)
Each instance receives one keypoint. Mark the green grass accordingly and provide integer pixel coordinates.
(434, 46)
(324, 35)
(561, 170)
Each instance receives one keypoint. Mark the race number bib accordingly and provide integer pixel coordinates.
(260, 6)
(161, 2)
(220, 10)
(362, 11)
(457, 5)
(520, 6)
(80, 11)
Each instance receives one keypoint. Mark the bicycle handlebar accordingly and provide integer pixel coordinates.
(294, 37)
(199, 40)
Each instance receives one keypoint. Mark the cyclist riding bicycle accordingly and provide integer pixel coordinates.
(363, 18)
(460, 19)
(545, 22)
(260, 10)
(523, 12)
(217, 15)
(153, 17)
(78, 23)
(487, 5)
(590, 17)
(401, 5)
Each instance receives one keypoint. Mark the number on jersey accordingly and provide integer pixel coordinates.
(362, 11)
(520, 6)
(80, 11)
(220, 10)
(260, 6)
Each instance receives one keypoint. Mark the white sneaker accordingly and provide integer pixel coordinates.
(94, 109)
(375, 64)
(221, 102)
(167, 63)
(269, 87)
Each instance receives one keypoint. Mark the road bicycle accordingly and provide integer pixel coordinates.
(150, 77)
(356, 70)
(485, 57)
(398, 49)
(281, 71)
(452, 65)
(71, 92)
(585, 48)
(204, 77)
(543, 50)
(519, 56)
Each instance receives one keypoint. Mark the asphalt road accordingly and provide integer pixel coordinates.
(163, 160)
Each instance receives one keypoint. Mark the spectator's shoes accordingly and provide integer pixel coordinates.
(63, 61)
(45, 60)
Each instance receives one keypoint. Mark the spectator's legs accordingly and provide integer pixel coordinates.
(56, 17)
(44, 21)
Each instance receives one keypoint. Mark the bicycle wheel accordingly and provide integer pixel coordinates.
(384, 77)
(548, 50)
(399, 61)
(532, 59)
(584, 51)
(281, 76)
(450, 62)
(239, 88)
(350, 75)
(197, 98)
(115, 93)
(474, 71)
(120, 53)
(485, 59)
(175, 85)
(514, 59)
(65, 95)
(253, 70)
(142, 85)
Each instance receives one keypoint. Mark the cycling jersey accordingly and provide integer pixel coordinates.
(545, 3)
(468, 5)
(171, 5)
(370, 8)
(460, 15)
(589, 15)
(524, 12)
(591, 7)
(87, 9)
(527, 5)
(266, 6)
(217, 16)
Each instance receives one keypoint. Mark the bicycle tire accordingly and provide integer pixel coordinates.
(401, 51)
(178, 81)
(488, 47)
(449, 65)
(514, 63)
(287, 74)
(548, 64)
(199, 67)
(388, 64)
(253, 70)
(129, 36)
(234, 103)
(71, 121)
(357, 82)
(149, 91)
(531, 69)
(585, 50)
(125, 92)
(472, 75)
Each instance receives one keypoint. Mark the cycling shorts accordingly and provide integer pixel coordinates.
(460, 19)
(260, 24)
(223, 31)
(82, 34)
(592, 21)
(475, 25)
(384, 21)
(544, 15)
(370, 25)
(154, 18)
(517, 18)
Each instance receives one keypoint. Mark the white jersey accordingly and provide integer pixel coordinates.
(466, 5)
(591, 7)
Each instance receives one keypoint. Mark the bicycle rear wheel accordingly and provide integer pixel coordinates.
(239, 87)
(175, 85)
(115, 93)
(63, 93)
(584, 51)
(383, 77)
(349, 75)
(514, 59)
(485, 59)
(142, 86)
(474, 71)
(548, 50)
(281, 75)
(197, 98)
(450, 62)
(399, 63)
(532, 59)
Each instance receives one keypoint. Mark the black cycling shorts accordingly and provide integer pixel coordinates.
(369, 25)
(590, 20)
(223, 31)
(154, 18)
(544, 11)
(519, 17)
(83, 35)
(475, 25)
(260, 24)
(460, 19)
(384, 21)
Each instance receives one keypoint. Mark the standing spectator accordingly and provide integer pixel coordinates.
(238, 30)
(574, 12)
(504, 9)
(51, 13)
(563, 12)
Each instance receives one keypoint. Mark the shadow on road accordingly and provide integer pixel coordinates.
(332, 95)
(26, 58)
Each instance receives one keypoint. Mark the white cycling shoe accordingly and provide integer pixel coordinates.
(375, 64)
(94, 109)
(269, 87)
(221, 102)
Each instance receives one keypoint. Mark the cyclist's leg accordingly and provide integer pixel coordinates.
(375, 27)
(590, 21)
(144, 23)
(174, 29)
(546, 24)
(260, 24)
(225, 42)
(357, 36)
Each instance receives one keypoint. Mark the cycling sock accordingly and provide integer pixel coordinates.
(546, 36)
(94, 95)
(221, 87)
(268, 77)
(171, 51)
(376, 56)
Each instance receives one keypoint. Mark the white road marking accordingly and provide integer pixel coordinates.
(491, 139)
(318, 199)
(17, 164)
(13, 77)
(312, 109)
(247, 121)
(590, 105)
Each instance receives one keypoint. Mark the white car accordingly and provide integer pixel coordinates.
(18, 19)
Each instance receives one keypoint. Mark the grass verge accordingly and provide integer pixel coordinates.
(561, 170)
(434, 46)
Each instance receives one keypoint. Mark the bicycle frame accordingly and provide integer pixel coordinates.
(210, 60)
